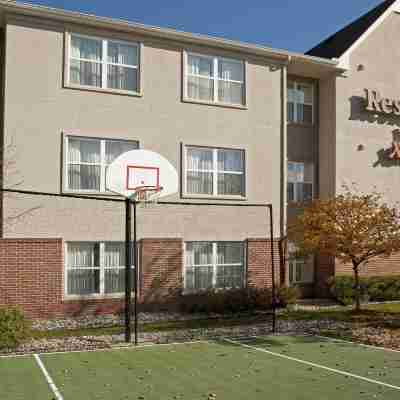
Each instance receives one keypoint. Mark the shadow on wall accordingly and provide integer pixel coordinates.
(385, 156)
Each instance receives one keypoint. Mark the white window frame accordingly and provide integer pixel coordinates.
(295, 184)
(298, 263)
(103, 165)
(104, 62)
(101, 268)
(214, 265)
(215, 78)
(296, 84)
(214, 172)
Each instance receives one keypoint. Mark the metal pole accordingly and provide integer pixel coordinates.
(271, 222)
(136, 270)
(128, 271)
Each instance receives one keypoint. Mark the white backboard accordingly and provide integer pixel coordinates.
(141, 168)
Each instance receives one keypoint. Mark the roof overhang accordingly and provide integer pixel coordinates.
(299, 63)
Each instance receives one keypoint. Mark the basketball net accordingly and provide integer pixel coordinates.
(147, 196)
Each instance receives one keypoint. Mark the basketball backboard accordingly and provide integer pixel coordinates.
(138, 170)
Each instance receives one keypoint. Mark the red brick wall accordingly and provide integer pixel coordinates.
(31, 272)
(376, 267)
(324, 269)
(259, 268)
(161, 269)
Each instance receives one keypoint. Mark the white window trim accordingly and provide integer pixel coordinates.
(214, 264)
(104, 63)
(298, 263)
(214, 172)
(102, 269)
(295, 186)
(102, 164)
(215, 78)
(295, 116)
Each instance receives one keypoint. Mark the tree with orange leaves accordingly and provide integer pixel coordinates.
(352, 227)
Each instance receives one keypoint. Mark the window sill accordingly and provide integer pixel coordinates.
(101, 90)
(95, 297)
(210, 197)
(210, 103)
(91, 193)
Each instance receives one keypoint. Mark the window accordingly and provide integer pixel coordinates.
(87, 160)
(104, 64)
(214, 79)
(214, 265)
(300, 103)
(95, 268)
(300, 270)
(300, 182)
(214, 172)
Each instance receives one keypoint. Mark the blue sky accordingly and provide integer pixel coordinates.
(287, 24)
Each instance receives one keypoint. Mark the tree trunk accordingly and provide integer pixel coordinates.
(357, 286)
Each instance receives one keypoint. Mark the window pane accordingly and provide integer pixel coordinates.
(83, 281)
(83, 255)
(83, 151)
(119, 53)
(230, 92)
(199, 182)
(229, 253)
(230, 276)
(230, 160)
(199, 253)
(291, 272)
(231, 184)
(304, 94)
(114, 255)
(299, 271)
(200, 88)
(122, 78)
(291, 172)
(86, 177)
(87, 48)
(290, 112)
(230, 70)
(114, 148)
(290, 191)
(199, 278)
(304, 113)
(85, 73)
(198, 65)
(291, 94)
(199, 159)
(307, 191)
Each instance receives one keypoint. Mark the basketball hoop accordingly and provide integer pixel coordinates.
(147, 196)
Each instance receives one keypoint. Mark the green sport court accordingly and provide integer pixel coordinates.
(271, 367)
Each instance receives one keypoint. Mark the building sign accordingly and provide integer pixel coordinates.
(382, 105)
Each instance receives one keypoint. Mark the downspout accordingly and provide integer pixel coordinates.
(283, 205)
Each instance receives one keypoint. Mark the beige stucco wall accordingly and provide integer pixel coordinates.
(38, 109)
(379, 55)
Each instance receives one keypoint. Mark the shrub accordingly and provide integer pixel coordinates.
(14, 328)
(287, 295)
(385, 288)
(226, 301)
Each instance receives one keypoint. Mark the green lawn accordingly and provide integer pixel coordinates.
(210, 371)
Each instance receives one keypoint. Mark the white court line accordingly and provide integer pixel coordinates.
(50, 382)
(356, 344)
(128, 347)
(337, 371)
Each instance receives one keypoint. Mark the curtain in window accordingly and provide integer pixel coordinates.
(114, 148)
(83, 269)
(230, 85)
(199, 166)
(231, 180)
(114, 264)
(83, 164)
(199, 266)
(200, 83)
(230, 267)
(85, 65)
(120, 53)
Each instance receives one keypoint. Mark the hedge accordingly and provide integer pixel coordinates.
(385, 288)
(14, 328)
